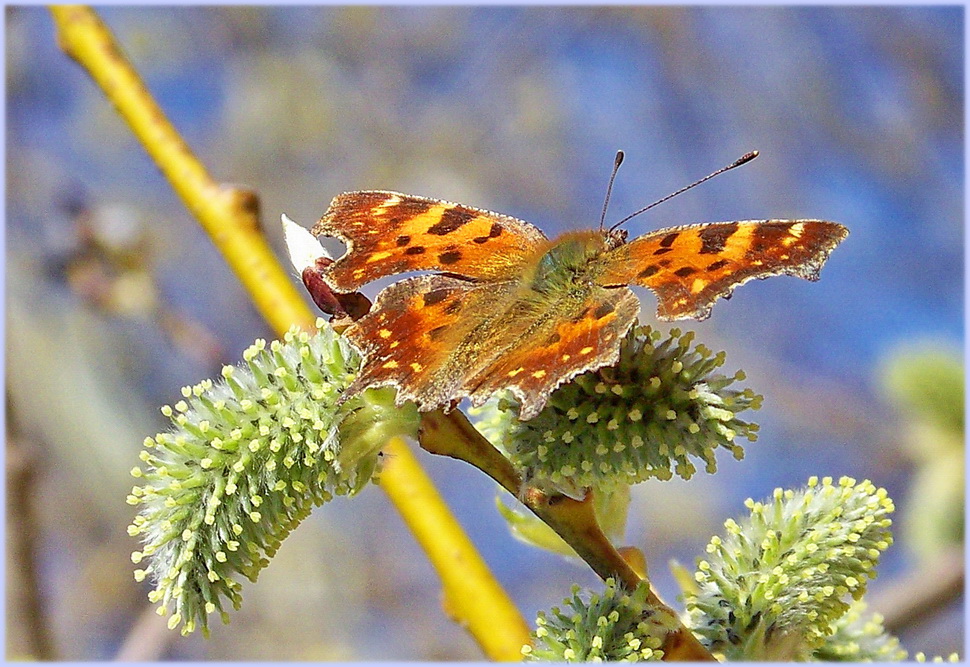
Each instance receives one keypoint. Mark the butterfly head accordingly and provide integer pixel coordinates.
(615, 238)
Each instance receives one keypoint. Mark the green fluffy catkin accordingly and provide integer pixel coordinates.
(246, 460)
(776, 584)
(644, 417)
(595, 627)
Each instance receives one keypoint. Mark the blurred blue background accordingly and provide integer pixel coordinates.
(115, 298)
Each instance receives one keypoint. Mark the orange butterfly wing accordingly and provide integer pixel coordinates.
(389, 233)
(439, 338)
(408, 338)
(584, 339)
(504, 313)
(690, 267)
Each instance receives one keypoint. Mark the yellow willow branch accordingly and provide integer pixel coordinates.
(469, 595)
(230, 216)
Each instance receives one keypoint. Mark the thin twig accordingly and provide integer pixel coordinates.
(574, 521)
(22, 551)
(229, 214)
(470, 594)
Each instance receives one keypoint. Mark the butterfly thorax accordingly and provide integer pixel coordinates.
(569, 263)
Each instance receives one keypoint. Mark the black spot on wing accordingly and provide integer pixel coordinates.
(768, 236)
(449, 257)
(451, 219)
(402, 211)
(714, 238)
(493, 233)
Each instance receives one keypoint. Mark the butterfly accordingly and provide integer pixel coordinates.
(509, 309)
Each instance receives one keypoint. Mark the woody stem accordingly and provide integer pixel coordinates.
(573, 520)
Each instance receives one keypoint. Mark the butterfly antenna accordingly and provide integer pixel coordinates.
(747, 157)
(609, 188)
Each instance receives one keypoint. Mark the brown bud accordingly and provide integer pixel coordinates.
(353, 306)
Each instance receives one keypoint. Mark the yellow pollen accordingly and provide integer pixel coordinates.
(391, 364)
(394, 344)
(586, 350)
(512, 374)
(566, 357)
(416, 367)
(384, 333)
(697, 285)
(539, 374)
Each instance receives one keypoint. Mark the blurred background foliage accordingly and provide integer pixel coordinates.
(115, 299)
